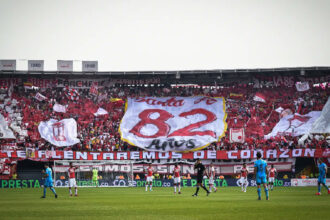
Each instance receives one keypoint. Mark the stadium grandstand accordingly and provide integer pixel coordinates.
(255, 101)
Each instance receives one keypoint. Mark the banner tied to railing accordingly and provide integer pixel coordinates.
(173, 123)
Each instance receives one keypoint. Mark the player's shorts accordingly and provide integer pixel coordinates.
(199, 179)
(177, 180)
(94, 179)
(243, 180)
(149, 178)
(261, 180)
(271, 179)
(321, 180)
(48, 183)
(211, 181)
(72, 182)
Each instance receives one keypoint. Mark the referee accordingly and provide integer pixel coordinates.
(200, 173)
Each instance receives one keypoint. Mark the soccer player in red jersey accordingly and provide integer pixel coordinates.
(177, 178)
(243, 180)
(271, 177)
(150, 172)
(72, 179)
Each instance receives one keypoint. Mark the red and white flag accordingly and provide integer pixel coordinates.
(59, 133)
(237, 135)
(40, 97)
(302, 86)
(258, 97)
(93, 90)
(71, 94)
(59, 108)
(294, 125)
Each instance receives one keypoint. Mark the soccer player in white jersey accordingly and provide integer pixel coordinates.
(150, 172)
(177, 178)
(243, 180)
(272, 172)
(72, 179)
(211, 175)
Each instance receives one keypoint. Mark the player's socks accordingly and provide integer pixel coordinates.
(70, 192)
(205, 189)
(179, 188)
(174, 189)
(319, 188)
(53, 190)
(146, 187)
(326, 187)
(150, 187)
(259, 193)
(197, 189)
(76, 191)
(210, 189)
(267, 193)
(44, 192)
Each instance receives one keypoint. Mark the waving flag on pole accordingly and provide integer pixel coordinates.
(294, 125)
(259, 97)
(59, 133)
(40, 97)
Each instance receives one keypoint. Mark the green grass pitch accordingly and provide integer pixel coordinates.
(134, 203)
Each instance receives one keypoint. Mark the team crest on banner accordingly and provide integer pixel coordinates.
(59, 133)
(173, 123)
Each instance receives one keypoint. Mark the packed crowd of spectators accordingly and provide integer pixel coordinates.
(100, 133)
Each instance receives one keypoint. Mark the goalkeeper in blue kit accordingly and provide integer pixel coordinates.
(260, 170)
(48, 181)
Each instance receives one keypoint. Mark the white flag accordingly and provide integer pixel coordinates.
(5, 132)
(302, 86)
(173, 123)
(237, 135)
(100, 111)
(59, 133)
(322, 124)
(294, 125)
(279, 110)
(40, 97)
(59, 108)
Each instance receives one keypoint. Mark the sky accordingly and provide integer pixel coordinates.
(137, 35)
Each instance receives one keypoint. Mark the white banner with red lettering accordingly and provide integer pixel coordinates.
(237, 135)
(152, 155)
(173, 123)
(59, 133)
(294, 125)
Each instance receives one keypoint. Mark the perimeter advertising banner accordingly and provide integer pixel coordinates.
(133, 183)
(173, 123)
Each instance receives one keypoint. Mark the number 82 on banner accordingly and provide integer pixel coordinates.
(173, 124)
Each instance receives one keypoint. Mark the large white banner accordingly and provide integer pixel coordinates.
(5, 132)
(322, 124)
(173, 123)
(59, 133)
(294, 125)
